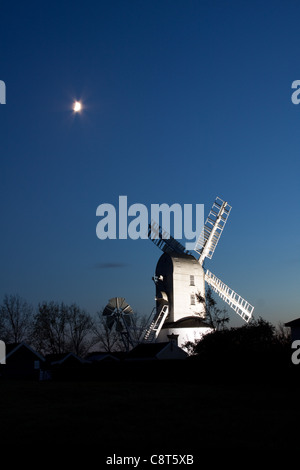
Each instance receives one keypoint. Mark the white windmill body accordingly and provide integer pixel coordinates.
(179, 278)
(180, 282)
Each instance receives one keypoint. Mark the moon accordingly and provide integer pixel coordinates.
(77, 106)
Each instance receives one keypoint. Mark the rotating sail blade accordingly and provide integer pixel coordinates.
(163, 240)
(235, 301)
(123, 306)
(117, 304)
(213, 227)
(109, 308)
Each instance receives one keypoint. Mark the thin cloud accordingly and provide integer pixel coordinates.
(110, 265)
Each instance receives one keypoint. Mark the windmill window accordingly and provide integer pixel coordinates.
(192, 280)
(193, 300)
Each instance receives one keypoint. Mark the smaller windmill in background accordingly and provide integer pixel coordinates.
(118, 315)
(180, 280)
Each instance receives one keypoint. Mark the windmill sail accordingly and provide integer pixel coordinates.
(118, 313)
(117, 305)
(235, 301)
(213, 227)
(164, 240)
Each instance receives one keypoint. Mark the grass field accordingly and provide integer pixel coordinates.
(149, 417)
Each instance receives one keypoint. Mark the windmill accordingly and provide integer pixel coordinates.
(118, 314)
(180, 279)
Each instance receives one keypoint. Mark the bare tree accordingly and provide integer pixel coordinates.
(59, 328)
(104, 335)
(50, 328)
(15, 319)
(283, 334)
(216, 317)
(138, 326)
(110, 339)
(79, 330)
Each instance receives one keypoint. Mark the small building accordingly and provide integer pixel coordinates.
(22, 361)
(102, 356)
(62, 365)
(156, 351)
(294, 325)
(64, 359)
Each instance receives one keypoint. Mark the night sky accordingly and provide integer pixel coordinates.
(183, 101)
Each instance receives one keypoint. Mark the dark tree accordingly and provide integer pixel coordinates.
(254, 346)
(110, 339)
(217, 318)
(15, 319)
(59, 328)
(137, 327)
(79, 330)
(283, 334)
(50, 328)
(104, 335)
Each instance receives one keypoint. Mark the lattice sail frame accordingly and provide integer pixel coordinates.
(163, 240)
(212, 230)
(234, 300)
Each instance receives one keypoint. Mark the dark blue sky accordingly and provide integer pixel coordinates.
(183, 101)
